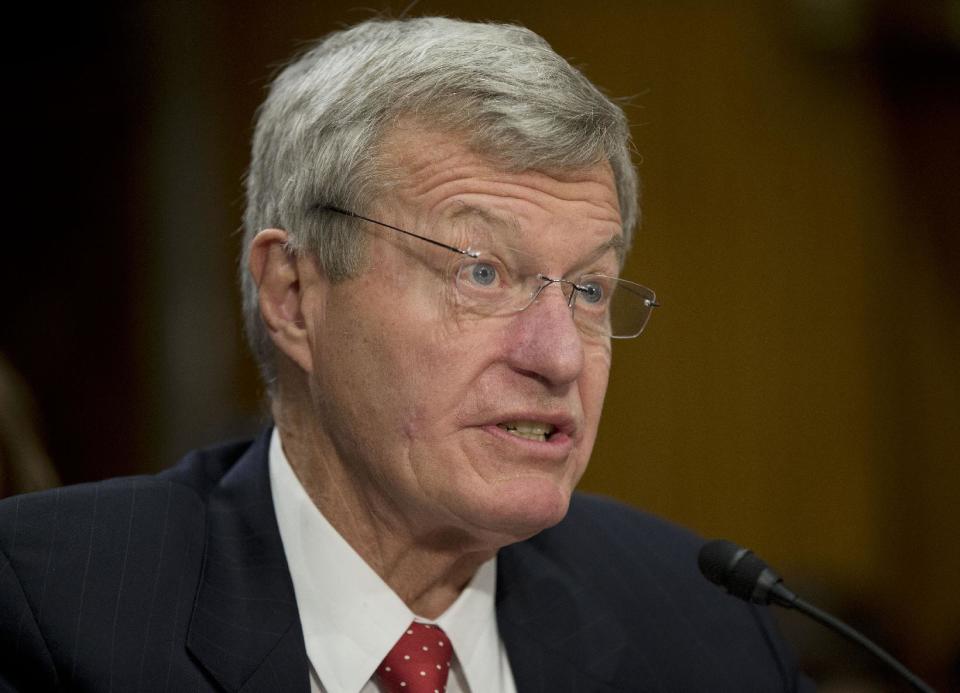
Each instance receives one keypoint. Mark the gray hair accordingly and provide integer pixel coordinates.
(317, 133)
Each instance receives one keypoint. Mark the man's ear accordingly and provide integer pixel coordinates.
(277, 272)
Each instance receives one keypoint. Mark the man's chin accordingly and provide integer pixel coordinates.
(522, 508)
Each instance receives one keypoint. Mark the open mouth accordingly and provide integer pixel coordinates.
(531, 430)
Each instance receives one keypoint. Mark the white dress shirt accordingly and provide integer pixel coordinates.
(350, 616)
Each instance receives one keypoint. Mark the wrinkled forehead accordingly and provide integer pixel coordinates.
(437, 179)
(489, 230)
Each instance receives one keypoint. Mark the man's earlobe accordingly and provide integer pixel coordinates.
(277, 273)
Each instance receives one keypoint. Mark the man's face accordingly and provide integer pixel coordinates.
(416, 398)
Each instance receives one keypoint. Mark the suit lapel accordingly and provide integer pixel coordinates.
(557, 637)
(245, 629)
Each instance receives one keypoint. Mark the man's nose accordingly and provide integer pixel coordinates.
(545, 339)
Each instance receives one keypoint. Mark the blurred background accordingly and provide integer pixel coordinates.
(798, 392)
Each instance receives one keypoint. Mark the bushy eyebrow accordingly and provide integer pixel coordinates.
(616, 244)
(463, 210)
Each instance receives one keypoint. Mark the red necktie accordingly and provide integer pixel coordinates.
(419, 662)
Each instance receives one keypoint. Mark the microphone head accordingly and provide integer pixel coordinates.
(715, 559)
(737, 570)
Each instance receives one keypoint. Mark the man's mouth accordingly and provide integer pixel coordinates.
(531, 430)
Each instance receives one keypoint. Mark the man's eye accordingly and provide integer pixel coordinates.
(482, 273)
(592, 292)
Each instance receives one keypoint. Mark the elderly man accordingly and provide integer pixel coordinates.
(437, 216)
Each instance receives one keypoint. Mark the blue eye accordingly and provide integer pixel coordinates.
(591, 292)
(483, 274)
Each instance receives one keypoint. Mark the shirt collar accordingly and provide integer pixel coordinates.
(350, 616)
(471, 625)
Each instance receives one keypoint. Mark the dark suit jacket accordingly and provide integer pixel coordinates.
(179, 583)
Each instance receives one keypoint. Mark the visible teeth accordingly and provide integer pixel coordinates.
(532, 430)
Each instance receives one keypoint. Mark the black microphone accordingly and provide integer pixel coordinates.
(746, 576)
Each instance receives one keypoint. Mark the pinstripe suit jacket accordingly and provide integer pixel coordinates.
(179, 582)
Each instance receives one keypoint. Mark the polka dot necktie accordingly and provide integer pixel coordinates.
(419, 662)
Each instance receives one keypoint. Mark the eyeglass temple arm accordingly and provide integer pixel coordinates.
(337, 210)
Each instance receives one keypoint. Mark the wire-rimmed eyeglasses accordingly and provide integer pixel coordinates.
(487, 285)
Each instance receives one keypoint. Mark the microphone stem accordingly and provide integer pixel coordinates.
(851, 634)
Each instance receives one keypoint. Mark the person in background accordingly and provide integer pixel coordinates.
(24, 464)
